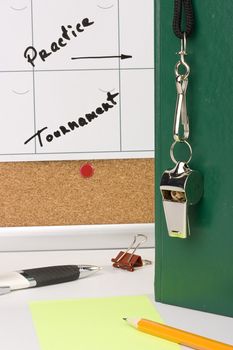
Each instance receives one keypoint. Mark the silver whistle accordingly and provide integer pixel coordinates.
(180, 187)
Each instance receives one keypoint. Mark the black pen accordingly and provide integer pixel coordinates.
(44, 276)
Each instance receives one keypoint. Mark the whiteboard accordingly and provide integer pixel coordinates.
(76, 79)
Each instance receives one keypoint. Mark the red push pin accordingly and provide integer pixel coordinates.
(87, 170)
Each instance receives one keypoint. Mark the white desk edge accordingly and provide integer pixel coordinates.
(15, 318)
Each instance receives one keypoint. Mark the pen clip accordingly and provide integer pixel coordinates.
(4, 290)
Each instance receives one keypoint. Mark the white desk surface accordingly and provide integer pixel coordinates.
(16, 328)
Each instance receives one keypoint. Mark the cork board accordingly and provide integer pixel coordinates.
(54, 193)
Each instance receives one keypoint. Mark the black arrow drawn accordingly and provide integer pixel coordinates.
(122, 57)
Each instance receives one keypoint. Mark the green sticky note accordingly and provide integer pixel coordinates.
(95, 324)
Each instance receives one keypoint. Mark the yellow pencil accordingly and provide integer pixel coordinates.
(176, 335)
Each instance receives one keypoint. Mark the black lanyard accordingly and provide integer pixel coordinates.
(183, 7)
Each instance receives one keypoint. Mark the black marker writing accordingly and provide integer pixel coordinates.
(73, 125)
(37, 134)
(67, 33)
(122, 57)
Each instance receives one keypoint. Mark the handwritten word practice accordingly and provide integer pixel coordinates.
(67, 33)
(75, 124)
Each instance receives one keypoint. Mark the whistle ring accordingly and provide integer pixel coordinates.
(173, 147)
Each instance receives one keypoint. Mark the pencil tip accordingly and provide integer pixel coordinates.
(125, 318)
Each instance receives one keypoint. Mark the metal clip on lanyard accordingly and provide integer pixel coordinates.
(181, 119)
(181, 116)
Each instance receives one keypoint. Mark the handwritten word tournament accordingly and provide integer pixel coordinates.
(67, 33)
(73, 125)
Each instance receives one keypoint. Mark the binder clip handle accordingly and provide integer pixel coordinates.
(128, 261)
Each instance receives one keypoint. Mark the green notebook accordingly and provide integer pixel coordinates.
(197, 272)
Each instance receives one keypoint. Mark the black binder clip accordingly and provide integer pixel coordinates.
(128, 261)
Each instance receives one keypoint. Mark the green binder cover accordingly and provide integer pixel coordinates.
(197, 272)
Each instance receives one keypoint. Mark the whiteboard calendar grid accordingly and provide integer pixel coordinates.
(119, 132)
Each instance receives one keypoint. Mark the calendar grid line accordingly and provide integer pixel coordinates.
(74, 70)
(33, 76)
(119, 74)
(76, 152)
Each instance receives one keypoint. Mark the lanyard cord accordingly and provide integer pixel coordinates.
(183, 6)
